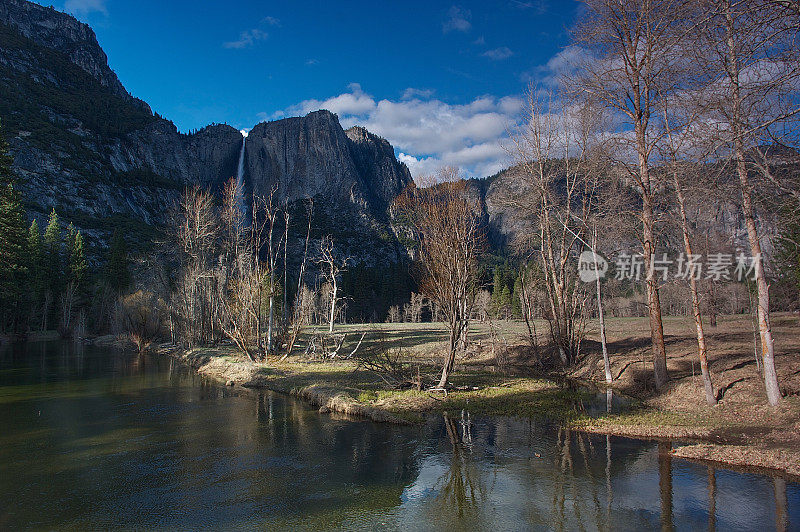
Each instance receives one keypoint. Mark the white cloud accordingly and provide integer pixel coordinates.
(355, 102)
(246, 38)
(272, 21)
(564, 63)
(411, 93)
(84, 7)
(312, 62)
(428, 133)
(457, 20)
(498, 54)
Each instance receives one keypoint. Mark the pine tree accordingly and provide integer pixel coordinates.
(505, 303)
(76, 264)
(36, 279)
(497, 289)
(117, 274)
(52, 251)
(77, 260)
(13, 240)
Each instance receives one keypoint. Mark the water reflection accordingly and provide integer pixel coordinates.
(461, 487)
(665, 483)
(712, 499)
(94, 439)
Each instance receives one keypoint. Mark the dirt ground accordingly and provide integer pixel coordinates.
(743, 428)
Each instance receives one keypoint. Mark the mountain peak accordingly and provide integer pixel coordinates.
(63, 33)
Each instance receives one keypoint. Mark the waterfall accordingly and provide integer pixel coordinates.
(240, 175)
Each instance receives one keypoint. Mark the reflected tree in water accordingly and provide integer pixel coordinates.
(461, 487)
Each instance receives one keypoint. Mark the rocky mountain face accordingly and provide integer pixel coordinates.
(509, 200)
(352, 176)
(84, 146)
(313, 156)
(77, 41)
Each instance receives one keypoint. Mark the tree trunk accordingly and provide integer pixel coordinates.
(271, 313)
(333, 305)
(708, 386)
(764, 329)
(601, 316)
(660, 373)
(449, 362)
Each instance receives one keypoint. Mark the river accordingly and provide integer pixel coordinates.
(94, 438)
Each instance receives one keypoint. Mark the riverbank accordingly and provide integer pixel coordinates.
(344, 387)
(742, 430)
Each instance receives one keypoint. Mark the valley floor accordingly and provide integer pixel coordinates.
(497, 377)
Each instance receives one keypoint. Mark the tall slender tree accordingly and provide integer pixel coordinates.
(749, 51)
(36, 279)
(13, 240)
(76, 257)
(450, 235)
(52, 246)
(633, 44)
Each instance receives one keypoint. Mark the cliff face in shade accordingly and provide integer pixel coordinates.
(383, 175)
(52, 29)
(352, 177)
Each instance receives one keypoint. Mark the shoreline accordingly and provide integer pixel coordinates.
(328, 392)
(248, 375)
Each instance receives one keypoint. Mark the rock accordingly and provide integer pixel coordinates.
(324, 410)
(64, 33)
(312, 156)
(110, 164)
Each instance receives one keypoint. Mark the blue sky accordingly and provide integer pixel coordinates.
(440, 80)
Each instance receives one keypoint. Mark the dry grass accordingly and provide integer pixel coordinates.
(743, 428)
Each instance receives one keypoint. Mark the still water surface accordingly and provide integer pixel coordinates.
(92, 438)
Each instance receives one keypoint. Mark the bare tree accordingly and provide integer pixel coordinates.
(528, 304)
(633, 45)
(483, 303)
(302, 299)
(554, 148)
(416, 305)
(447, 228)
(239, 275)
(749, 49)
(332, 270)
(676, 132)
(195, 300)
(141, 316)
(271, 213)
(393, 315)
